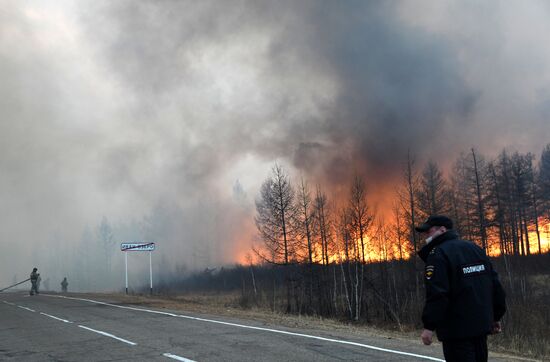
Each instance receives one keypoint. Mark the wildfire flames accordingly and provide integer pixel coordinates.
(378, 249)
(493, 203)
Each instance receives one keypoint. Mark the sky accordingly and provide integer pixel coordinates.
(164, 117)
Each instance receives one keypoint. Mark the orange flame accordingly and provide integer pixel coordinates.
(380, 248)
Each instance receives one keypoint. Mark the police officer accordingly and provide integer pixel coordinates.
(464, 298)
(34, 281)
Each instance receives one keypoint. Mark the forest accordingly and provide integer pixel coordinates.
(340, 259)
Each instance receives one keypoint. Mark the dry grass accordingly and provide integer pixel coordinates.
(539, 284)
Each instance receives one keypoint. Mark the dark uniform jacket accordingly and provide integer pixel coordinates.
(463, 294)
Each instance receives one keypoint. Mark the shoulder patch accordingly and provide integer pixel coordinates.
(430, 270)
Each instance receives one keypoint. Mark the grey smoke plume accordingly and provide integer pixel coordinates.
(148, 112)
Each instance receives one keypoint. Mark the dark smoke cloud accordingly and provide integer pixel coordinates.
(333, 73)
(149, 112)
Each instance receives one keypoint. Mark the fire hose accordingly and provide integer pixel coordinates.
(26, 280)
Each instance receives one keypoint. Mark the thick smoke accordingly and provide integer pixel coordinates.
(147, 113)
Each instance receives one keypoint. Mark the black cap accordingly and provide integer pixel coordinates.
(435, 220)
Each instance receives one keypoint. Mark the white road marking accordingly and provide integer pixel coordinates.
(108, 335)
(315, 337)
(259, 329)
(54, 317)
(8, 302)
(32, 310)
(178, 358)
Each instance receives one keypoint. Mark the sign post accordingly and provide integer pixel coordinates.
(138, 247)
(126, 268)
(151, 272)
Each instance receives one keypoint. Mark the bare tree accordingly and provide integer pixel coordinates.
(349, 280)
(478, 171)
(495, 206)
(360, 214)
(323, 224)
(407, 198)
(432, 196)
(534, 209)
(411, 182)
(519, 166)
(304, 218)
(361, 219)
(461, 197)
(105, 238)
(468, 197)
(543, 181)
(400, 233)
(275, 210)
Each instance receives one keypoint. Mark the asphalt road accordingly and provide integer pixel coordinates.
(57, 328)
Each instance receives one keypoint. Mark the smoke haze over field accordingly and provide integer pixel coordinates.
(163, 118)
